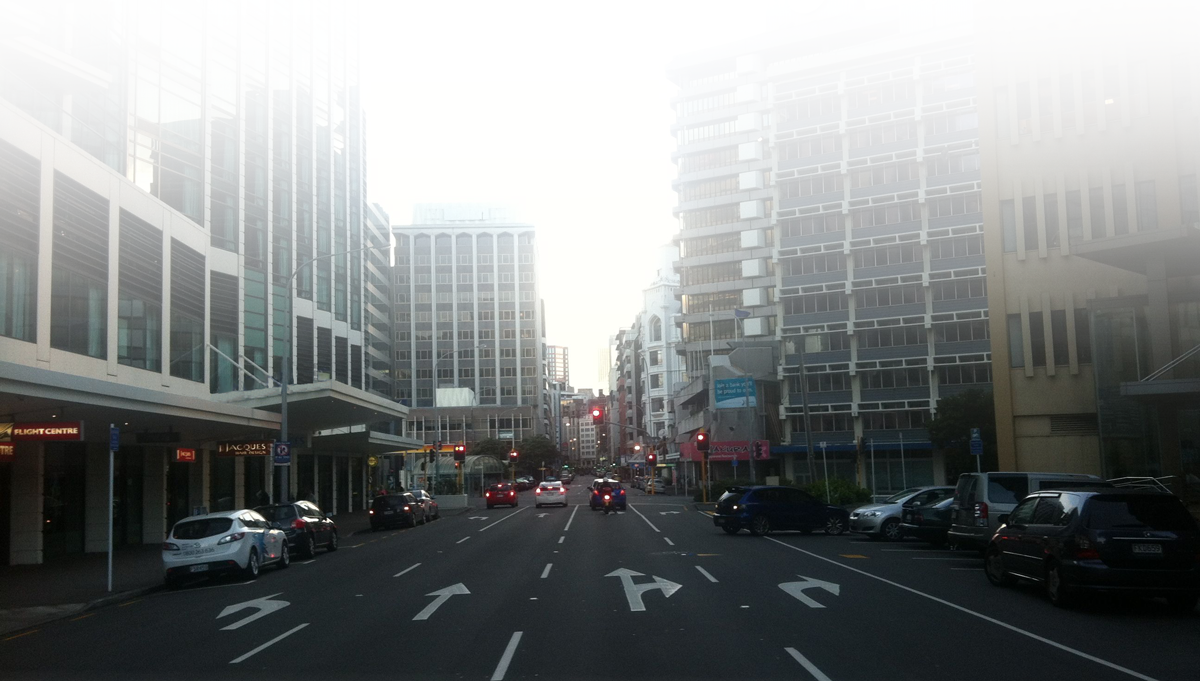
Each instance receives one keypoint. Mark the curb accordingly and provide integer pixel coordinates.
(95, 604)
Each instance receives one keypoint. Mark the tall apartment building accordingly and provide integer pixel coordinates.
(831, 188)
(558, 364)
(163, 177)
(1091, 143)
(468, 324)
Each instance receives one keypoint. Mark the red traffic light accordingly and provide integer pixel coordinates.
(512, 456)
(650, 458)
(597, 415)
(702, 441)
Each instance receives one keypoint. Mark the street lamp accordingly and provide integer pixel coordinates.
(287, 358)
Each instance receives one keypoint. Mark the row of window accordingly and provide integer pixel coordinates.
(469, 316)
(871, 420)
(813, 185)
(907, 377)
(468, 354)
(487, 394)
(898, 336)
(463, 278)
(708, 160)
(905, 294)
(708, 188)
(885, 174)
(710, 245)
(1058, 334)
(690, 107)
(885, 214)
(424, 336)
(403, 259)
(708, 131)
(708, 217)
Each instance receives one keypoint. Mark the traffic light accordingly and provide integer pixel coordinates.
(637, 447)
(650, 458)
(512, 456)
(702, 441)
(597, 416)
(458, 464)
(460, 453)
(758, 449)
(432, 455)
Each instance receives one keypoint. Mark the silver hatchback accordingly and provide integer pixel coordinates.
(882, 520)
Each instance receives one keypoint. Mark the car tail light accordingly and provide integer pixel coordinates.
(299, 524)
(562, 491)
(371, 512)
(168, 546)
(537, 491)
(622, 492)
(1084, 549)
(595, 492)
(487, 494)
(981, 510)
(512, 494)
(607, 498)
(408, 508)
(229, 538)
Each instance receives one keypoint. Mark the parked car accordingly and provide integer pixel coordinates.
(882, 520)
(391, 510)
(596, 502)
(656, 486)
(928, 522)
(981, 498)
(550, 493)
(215, 543)
(428, 503)
(305, 525)
(1104, 539)
(523, 483)
(568, 478)
(765, 509)
(500, 494)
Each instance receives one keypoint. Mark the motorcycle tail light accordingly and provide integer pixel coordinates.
(622, 492)
(607, 498)
(371, 512)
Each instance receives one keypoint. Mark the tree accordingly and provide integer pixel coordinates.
(536, 452)
(497, 449)
(950, 431)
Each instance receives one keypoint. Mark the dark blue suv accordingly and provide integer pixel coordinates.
(596, 502)
(763, 510)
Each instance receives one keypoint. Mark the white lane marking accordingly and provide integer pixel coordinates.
(560, 539)
(705, 573)
(502, 519)
(668, 540)
(972, 560)
(706, 514)
(646, 519)
(546, 572)
(981, 616)
(406, 570)
(812, 668)
(309, 561)
(920, 550)
(501, 668)
(571, 519)
(268, 644)
(463, 539)
(975, 569)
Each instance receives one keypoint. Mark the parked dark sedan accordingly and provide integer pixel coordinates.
(305, 525)
(763, 510)
(1116, 540)
(391, 510)
(928, 522)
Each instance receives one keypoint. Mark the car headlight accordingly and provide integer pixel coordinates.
(871, 514)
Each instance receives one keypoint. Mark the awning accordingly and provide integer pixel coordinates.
(320, 406)
(359, 440)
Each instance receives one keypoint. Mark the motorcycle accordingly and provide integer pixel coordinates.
(608, 504)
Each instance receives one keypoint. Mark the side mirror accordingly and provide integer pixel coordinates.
(1003, 518)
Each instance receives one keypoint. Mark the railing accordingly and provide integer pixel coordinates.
(1139, 482)
(1172, 364)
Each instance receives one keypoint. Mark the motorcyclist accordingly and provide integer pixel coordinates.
(606, 492)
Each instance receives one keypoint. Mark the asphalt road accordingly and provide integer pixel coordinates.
(653, 593)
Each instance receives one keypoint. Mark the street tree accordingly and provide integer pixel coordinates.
(950, 430)
(535, 453)
(497, 449)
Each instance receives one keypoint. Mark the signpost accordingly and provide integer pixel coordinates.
(977, 449)
(825, 461)
(114, 443)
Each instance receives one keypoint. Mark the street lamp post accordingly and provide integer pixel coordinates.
(285, 487)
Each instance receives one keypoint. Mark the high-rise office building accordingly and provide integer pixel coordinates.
(830, 190)
(164, 176)
(558, 364)
(1090, 171)
(468, 327)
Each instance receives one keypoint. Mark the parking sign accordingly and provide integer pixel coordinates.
(283, 453)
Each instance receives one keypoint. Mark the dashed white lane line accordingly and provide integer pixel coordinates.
(919, 550)
(1006, 625)
(646, 519)
(268, 644)
(406, 570)
(560, 539)
(463, 539)
(546, 572)
(974, 569)
(951, 558)
(502, 519)
(572, 518)
(705, 573)
(668, 540)
(812, 668)
(308, 561)
(505, 659)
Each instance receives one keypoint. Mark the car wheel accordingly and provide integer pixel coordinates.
(993, 567)
(252, 566)
(309, 548)
(1183, 605)
(760, 526)
(285, 557)
(730, 529)
(834, 525)
(333, 542)
(423, 519)
(1057, 589)
(891, 530)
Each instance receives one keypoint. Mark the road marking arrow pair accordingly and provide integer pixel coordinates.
(633, 592)
(796, 590)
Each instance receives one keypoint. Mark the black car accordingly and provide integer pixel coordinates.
(928, 522)
(305, 525)
(1105, 539)
(392, 510)
(765, 509)
(501, 494)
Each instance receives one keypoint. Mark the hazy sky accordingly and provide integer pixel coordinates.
(559, 110)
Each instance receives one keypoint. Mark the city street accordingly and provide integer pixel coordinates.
(657, 592)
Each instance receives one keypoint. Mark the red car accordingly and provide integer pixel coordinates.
(501, 494)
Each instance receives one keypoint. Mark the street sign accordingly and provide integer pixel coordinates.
(505, 435)
(114, 438)
(976, 447)
(282, 452)
(53, 431)
(975, 434)
(372, 461)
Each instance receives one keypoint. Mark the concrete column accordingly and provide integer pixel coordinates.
(239, 481)
(154, 495)
(1158, 315)
(333, 476)
(269, 477)
(25, 540)
(95, 492)
(199, 479)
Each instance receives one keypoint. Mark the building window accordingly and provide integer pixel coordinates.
(1037, 339)
(1016, 343)
(1189, 207)
(528, 371)
(1029, 222)
(959, 374)
(1120, 202)
(819, 302)
(1083, 336)
(956, 332)
(1058, 334)
(487, 372)
(889, 295)
(894, 254)
(464, 278)
(1008, 225)
(1050, 203)
(885, 337)
(655, 358)
(955, 204)
(656, 381)
(466, 334)
(527, 333)
(1147, 206)
(895, 378)
(1074, 215)
(1096, 208)
(487, 334)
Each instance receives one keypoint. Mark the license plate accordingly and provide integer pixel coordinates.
(1148, 549)
(198, 568)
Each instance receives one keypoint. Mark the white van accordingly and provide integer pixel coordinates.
(981, 498)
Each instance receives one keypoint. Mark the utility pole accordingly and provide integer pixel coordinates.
(812, 469)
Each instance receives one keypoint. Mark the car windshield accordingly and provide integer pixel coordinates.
(1163, 513)
(901, 496)
(278, 514)
(500, 488)
(199, 529)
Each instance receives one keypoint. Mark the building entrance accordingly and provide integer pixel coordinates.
(178, 497)
(5, 510)
(63, 507)
(127, 497)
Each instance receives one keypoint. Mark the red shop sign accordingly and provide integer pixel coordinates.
(71, 431)
(182, 454)
(7, 450)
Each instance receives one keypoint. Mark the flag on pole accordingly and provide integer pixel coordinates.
(741, 314)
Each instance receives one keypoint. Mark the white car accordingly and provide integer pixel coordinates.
(655, 486)
(550, 493)
(230, 541)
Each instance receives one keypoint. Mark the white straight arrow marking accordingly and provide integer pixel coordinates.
(265, 607)
(666, 512)
(796, 590)
(443, 595)
(633, 592)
